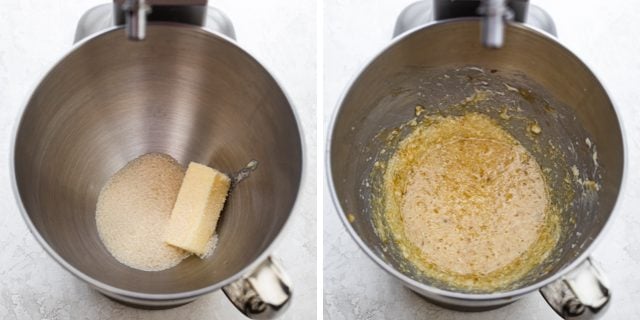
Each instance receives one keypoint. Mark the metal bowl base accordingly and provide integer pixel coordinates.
(459, 307)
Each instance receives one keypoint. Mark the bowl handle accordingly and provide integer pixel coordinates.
(581, 294)
(263, 294)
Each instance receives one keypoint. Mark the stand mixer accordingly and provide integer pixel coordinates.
(511, 36)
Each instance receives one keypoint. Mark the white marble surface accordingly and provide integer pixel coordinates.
(35, 34)
(605, 35)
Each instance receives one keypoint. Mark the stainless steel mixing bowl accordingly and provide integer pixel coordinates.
(183, 91)
(438, 65)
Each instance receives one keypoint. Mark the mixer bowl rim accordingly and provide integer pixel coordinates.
(156, 297)
(477, 297)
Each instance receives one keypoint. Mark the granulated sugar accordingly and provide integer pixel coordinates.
(133, 210)
(211, 247)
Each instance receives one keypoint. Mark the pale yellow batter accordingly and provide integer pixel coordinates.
(468, 203)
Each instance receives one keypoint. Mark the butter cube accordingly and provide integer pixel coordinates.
(195, 214)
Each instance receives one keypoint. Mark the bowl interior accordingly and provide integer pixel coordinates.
(441, 65)
(183, 92)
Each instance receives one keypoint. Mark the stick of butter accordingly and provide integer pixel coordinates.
(197, 209)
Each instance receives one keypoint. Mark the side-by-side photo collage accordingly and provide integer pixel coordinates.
(319, 159)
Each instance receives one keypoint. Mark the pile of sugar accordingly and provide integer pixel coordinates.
(134, 208)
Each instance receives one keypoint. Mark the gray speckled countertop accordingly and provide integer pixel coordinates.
(35, 34)
(605, 35)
